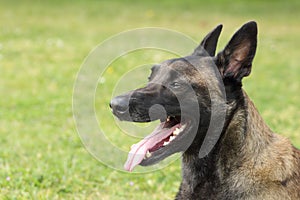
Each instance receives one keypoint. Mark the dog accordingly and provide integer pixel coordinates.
(247, 161)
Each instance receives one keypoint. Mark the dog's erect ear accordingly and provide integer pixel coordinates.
(235, 61)
(209, 43)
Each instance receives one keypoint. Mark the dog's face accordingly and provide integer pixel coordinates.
(177, 94)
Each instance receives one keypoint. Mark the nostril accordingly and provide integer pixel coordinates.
(110, 105)
(121, 108)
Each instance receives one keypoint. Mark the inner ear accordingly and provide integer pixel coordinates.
(235, 61)
(209, 44)
(239, 60)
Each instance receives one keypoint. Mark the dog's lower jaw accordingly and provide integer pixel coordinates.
(248, 161)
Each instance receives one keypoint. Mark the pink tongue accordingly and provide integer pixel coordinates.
(139, 150)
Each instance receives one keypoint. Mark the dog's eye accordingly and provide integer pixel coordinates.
(175, 85)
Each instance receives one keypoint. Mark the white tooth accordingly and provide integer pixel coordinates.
(166, 143)
(168, 118)
(182, 127)
(176, 132)
(148, 154)
(172, 138)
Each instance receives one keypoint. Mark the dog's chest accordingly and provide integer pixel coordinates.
(204, 182)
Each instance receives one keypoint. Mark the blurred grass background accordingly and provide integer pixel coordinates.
(42, 45)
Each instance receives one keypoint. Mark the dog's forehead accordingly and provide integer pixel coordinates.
(188, 65)
(176, 63)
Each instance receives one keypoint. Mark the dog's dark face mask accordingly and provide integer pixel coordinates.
(179, 95)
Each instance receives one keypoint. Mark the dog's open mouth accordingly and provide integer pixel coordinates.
(163, 136)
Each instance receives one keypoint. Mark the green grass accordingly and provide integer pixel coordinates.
(43, 44)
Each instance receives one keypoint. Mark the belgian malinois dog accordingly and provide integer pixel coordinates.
(247, 161)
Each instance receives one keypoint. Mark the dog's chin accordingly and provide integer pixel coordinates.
(172, 135)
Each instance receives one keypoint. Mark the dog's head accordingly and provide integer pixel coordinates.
(179, 95)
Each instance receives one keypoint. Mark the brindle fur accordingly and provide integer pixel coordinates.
(249, 161)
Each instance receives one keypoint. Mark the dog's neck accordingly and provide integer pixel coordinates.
(246, 132)
(231, 148)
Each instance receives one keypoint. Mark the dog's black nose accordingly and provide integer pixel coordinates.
(119, 104)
